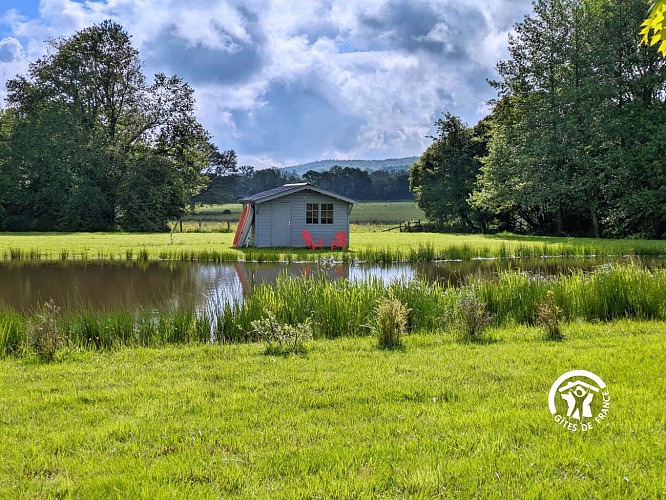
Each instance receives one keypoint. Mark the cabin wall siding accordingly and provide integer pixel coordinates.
(264, 211)
(262, 224)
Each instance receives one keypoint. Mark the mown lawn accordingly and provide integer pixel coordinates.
(345, 420)
(363, 244)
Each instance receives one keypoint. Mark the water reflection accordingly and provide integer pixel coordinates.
(170, 285)
(458, 273)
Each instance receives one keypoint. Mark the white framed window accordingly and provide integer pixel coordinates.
(316, 213)
(312, 213)
(326, 213)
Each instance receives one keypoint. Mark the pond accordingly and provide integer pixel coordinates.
(171, 285)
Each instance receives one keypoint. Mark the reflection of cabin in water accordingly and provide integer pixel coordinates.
(278, 217)
(251, 274)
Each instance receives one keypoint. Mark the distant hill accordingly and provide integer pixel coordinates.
(368, 165)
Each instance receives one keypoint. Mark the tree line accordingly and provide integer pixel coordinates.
(575, 141)
(87, 143)
(231, 183)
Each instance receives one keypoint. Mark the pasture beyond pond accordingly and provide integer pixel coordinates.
(366, 246)
(364, 213)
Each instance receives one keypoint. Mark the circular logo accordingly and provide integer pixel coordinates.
(579, 400)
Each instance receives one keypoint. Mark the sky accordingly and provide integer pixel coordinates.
(287, 82)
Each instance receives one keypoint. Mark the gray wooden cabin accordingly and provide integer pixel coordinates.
(281, 214)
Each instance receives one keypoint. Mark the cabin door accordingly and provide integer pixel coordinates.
(281, 224)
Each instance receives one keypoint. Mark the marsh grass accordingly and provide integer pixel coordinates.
(12, 332)
(424, 252)
(615, 291)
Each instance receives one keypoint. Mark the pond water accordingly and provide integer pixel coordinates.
(169, 285)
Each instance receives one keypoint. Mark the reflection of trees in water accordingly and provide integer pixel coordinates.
(172, 285)
(104, 285)
(142, 285)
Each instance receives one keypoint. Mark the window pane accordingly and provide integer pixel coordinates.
(327, 213)
(312, 213)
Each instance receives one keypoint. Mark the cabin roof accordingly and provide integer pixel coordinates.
(287, 189)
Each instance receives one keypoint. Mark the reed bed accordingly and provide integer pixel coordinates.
(12, 332)
(428, 252)
(609, 293)
(338, 308)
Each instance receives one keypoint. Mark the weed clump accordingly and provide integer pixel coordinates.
(391, 322)
(549, 315)
(282, 338)
(472, 318)
(43, 333)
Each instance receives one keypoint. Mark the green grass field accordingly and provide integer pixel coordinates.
(364, 245)
(386, 213)
(345, 420)
(379, 212)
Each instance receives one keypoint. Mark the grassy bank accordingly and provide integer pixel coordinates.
(340, 309)
(346, 420)
(364, 246)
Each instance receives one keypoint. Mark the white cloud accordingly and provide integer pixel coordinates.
(283, 81)
(11, 50)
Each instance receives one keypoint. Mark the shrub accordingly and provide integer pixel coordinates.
(391, 322)
(282, 338)
(472, 317)
(549, 316)
(43, 334)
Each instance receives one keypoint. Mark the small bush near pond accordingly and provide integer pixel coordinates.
(44, 336)
(549, 316)
(472, 317)
(390, 322)
(282, 338)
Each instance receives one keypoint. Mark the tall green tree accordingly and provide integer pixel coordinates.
(568, 150)
(89, 123)
(443, 178)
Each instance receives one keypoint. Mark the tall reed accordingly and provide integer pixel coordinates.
(12, 332)
(613, 292)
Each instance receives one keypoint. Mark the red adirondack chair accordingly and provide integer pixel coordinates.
(312, 242)
(340, 240)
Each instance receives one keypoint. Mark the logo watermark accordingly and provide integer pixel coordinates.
(579, 399)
